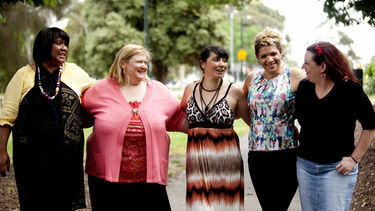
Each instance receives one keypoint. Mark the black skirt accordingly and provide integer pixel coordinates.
(140, 196)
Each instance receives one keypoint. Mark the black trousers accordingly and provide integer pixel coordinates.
(140, 196)
(274, 177)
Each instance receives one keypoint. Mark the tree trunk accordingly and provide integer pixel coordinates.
(160, 71)
(28, 46)
(181, 75)
(82, 23)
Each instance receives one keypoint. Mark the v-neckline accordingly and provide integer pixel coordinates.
(209, 110)
(126, 102)
(326, 95)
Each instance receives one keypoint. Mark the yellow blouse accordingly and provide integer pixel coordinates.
(23, 81)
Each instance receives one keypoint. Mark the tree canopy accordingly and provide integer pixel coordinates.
(34, 3)
(18, 32)
(256, 17)
(342, 11)
(178, 31)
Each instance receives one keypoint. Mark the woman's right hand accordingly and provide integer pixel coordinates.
(4, 162)
(346, 165)
(4, 157)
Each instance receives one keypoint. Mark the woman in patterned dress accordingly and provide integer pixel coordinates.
(214, 168)
(127, 153)
(272, 137)
(42, 107)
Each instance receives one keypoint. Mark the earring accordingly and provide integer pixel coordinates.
(323, 75)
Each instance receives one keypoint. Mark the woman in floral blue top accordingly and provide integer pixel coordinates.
(272, 138)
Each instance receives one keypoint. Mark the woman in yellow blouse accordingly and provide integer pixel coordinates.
(42, 108)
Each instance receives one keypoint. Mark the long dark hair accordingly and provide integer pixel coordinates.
(338, 69)
(44, 41)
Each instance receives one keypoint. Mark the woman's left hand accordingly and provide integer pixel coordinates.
(346, 165)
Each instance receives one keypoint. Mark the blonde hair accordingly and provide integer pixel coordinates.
(125, 54)
(267, 37)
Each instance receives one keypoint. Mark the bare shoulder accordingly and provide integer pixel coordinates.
(297, 73)
(187, 94)
(236, 92)
(235, 89)
(250, 75)
(189, 88)
(249, 78)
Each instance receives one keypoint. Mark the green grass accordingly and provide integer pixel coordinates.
(372, 98)
(10, 145)
(240, 127)
(87, 132)
(178, 140)
(178, 143)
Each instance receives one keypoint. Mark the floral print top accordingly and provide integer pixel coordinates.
(271, 103)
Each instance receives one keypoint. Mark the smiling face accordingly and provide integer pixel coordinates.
(269, 57)
(313, 70)
(59, 52)
(215, 66)
(136, 68)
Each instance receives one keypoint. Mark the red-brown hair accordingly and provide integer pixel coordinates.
(338, 68)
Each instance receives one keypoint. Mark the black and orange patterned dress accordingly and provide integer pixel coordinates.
(214, 168)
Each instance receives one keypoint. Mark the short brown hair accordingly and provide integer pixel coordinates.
(267, 37)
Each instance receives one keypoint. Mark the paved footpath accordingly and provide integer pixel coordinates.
(177, 186)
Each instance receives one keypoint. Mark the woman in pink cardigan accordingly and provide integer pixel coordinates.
(127, 153)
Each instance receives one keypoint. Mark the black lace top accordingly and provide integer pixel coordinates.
(219, 116)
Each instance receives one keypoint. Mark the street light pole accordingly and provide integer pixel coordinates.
(239, 76)
(231, 14)
(145, 23)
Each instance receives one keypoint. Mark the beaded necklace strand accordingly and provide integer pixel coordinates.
(57, 85)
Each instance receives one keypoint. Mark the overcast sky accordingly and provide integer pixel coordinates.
(303, 24)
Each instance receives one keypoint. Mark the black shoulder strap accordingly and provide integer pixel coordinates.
(227, 90)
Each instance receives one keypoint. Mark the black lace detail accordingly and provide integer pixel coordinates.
(219, 116)
(48, 148)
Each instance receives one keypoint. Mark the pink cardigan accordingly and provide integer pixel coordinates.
(159, 111)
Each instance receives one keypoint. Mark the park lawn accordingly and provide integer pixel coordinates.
(87, 132)
(178, 140)
(372, 99)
